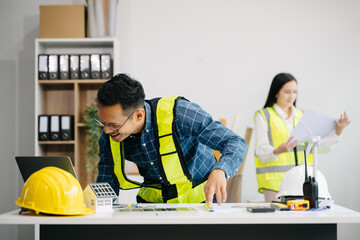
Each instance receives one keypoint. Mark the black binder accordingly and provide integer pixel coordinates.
(95, 66)
(105, 66)
(55, 127)
(74, 66)
(43, 67)
(84, 66)
(64, 66)
(67, 127)
(43, 128)
(53, 67)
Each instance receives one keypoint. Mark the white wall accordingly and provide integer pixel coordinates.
(221, 54)
(19, 26)
(224, 54)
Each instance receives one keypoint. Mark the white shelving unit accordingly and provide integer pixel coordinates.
(69, 97)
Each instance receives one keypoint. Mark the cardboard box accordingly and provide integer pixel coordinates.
(62, 21)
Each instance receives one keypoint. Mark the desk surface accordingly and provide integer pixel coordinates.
(226, 214)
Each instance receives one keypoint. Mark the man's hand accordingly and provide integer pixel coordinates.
(216, 184)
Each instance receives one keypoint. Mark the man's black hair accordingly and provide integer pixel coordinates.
(123, 90)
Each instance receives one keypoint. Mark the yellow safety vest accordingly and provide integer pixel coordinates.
(269, 175)
(178, 186)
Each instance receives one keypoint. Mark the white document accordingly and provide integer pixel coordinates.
(318, 123)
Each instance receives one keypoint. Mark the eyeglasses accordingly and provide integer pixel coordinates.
(111, 126)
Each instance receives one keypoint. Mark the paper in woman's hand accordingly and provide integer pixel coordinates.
(313, 123)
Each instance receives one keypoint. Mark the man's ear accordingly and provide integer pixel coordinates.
(140, 114)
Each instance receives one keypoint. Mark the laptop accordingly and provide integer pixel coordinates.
(28, 165)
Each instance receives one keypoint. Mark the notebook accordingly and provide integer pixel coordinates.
(28, 165)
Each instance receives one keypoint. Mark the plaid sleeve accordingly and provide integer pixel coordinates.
(104, 168)
(196, 122)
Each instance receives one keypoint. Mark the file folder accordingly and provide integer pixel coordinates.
(74, 66)
(84, 66)
(95, 66)
(43, 128)
(67, 127)
(64, 66)
(55, 127)
(43, 67)
(105, 66)
(53, 67)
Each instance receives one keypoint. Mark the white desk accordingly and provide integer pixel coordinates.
(197, 224)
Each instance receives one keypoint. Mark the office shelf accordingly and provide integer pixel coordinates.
(69, 96)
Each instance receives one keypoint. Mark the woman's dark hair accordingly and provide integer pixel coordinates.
(277, 83)
(123, 90)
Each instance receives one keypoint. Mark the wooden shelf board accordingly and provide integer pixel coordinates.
(56, 142)
(79, 81)
(92, 81)
(76, 42)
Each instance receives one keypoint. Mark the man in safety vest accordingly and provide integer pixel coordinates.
(170, 140)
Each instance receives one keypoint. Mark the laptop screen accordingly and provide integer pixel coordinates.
(29, 165)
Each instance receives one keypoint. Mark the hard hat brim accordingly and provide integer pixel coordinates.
(89, 210)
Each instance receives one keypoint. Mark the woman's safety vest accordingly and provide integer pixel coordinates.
(269, 175)
(178, 186)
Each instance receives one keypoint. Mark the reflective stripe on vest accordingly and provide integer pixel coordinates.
(169, 161)
(117, 151)
(269, 175)
(167, 150)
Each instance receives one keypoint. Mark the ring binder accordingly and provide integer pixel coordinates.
(64, 66)
(74, 67)
(43, 127)
(95, 66)
(105, 66)
(43, 67)
(53, 67)
(67, 127)
(84, 66)
(55, 127)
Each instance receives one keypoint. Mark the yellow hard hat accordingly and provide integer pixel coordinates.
(52, 190)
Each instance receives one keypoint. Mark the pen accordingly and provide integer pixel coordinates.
(209, 208)
(133, 205)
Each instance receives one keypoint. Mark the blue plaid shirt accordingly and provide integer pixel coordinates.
(197, 134)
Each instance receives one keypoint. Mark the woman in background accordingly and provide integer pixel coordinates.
(275, 153)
